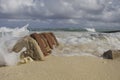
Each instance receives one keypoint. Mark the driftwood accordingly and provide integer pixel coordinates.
(111, 54)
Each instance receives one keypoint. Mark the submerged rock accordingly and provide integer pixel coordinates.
(111, 54)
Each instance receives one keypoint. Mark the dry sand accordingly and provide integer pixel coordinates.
(64, 68)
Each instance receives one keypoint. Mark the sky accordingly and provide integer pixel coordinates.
(60, 13)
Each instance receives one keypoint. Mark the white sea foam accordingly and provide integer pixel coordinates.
(86, 43)
(91, 29)
(8, 39)
(71, 43)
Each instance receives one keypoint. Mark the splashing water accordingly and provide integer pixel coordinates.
(8, 38)
(71, 43)
(86, 43)
(91, 29)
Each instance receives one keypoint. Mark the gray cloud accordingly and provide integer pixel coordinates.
(62, 11)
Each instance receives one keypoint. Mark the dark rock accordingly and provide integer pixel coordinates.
(111, 54)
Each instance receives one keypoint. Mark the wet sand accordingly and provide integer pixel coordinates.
(64, 68)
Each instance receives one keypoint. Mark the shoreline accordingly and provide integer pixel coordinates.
(64, 68)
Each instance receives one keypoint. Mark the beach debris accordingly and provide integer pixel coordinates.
(51, 39)
(25, 60)
(111, 54)
(38, 45)
(40, 39)
(32, 48)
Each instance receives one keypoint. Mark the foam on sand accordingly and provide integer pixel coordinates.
(8, 39)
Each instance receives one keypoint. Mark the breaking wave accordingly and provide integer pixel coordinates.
(86, 43)
(8, 37)
(71, 43)
(90, 29)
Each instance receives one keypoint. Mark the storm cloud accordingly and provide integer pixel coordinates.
(75, 12)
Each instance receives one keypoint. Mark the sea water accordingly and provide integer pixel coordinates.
(72, 43)
(8, 38)
(86, 43)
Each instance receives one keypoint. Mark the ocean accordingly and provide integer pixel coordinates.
(73, 42)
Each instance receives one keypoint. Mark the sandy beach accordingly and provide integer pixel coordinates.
(64, 68)
(59, 39)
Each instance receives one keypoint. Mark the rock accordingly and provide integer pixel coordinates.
(37, 46)
(54, 38)
(42, 43)
(51, 39)
(32, 48)
(47, 47)
(25, 60)
(111, 54)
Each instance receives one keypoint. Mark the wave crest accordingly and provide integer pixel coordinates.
(8, 39)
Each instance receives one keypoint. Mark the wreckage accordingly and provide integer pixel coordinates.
(37, 46)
